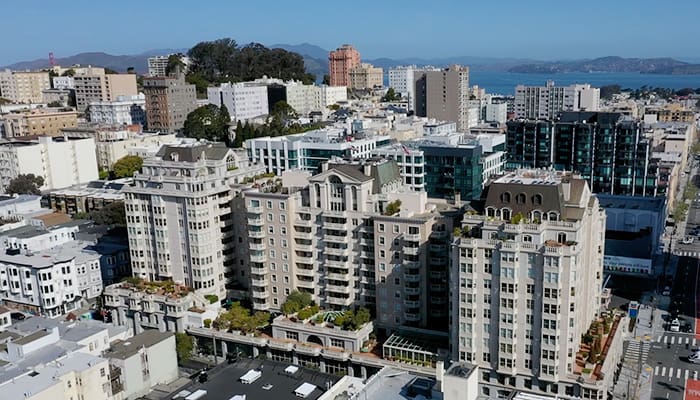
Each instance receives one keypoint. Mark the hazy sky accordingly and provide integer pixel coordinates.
(537, 29)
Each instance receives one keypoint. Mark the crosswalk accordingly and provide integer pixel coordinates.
(635, 349)
(675, 373)
(686, 253)
(691, 341)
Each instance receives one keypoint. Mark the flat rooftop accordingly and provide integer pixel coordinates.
(632, 202)
(223, 384)
(124, 349)
(395, 384)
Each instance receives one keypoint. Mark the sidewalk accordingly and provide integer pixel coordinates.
(635, 374)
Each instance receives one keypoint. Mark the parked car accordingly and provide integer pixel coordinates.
(18, 316)
(675, 325)
(694, 357)
(688, 240)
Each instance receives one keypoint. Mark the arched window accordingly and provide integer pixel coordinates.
(553, 216)
(520, 198)
(505, 197)
(490, 212)
(561, 237)
(527, 238)
(505, 214)
(537, 216)
(537, 199)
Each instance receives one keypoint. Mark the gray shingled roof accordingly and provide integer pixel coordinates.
(212, 151)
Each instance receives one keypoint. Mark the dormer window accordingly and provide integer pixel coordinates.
(505, 197)
(520, 198)
(553, 216)
(505, 214)
(537, 199)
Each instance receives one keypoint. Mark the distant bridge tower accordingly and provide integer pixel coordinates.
(52, 60)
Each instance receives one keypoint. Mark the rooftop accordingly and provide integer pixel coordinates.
(395, 384)
(224, 384)
(193, 151)
(124, 349)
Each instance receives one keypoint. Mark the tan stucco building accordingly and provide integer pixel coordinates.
(39, 122)
(102, 87)
(23, 86)
(366, 76)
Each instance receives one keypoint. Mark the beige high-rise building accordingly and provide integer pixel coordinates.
(444, 95)
(102, 87)
(340, 62)
(366, 76)
(179, 214)
(24, 86)
(526, 281)
(168, 101)
(350, 236)
(38, 122)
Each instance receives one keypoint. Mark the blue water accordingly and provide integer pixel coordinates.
(505, 82)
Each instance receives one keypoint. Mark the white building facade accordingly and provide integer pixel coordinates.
(545, 102)
(243, 101)
(60, 162)
(126, 110)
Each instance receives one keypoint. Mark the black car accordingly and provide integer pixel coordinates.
(18, 316)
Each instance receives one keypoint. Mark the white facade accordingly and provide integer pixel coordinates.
(51, 282)
(329, 95)
(179, 214)
(243, 101)
(302, 98)
(32, 238)
(158, 65)
(111, 149)
(402, 79)
(63, 82)
(307, 150)
(19, 206)
(545, 102)
(61, 163)
(496, 112)
(411, 163)
(526, 291)
(126, 110)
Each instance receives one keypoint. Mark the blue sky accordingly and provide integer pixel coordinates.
(536, 29)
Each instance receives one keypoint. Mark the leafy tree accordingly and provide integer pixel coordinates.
(183, 346)
(284, 111)
(131, 70)
(296, 301)
(393, 207)
(25, 184)
(126, 166)
(111, 214)
(391, 95)
(104, 174)
(174, 63)
(326, 79)
(238, 318)
(110, 71)
(68, 72)
(199, 82)
(208, 122)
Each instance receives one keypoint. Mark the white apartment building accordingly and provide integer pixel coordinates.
(308, 150)
(158, 65)
(51, 282)
(330, 235)
(411, 162)
(33, 238)
(60, 162)
(496, 112)
(526, 282)
(329, 95)
(113, 145)
(179, 216)
(302, 98)
(125, 110)
(243, 101)
(23, 86)
(402, 80)
(63, 82)
(546, 102)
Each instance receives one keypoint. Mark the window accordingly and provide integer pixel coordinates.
(269, 204)
(381, 240)
(282, 205)
(395, 228)
(381, 228)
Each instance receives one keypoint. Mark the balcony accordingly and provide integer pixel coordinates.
(438, 248)
(438, 300)
(411, 264)
(255, 210)
(411, 290)
(411, 303)
(336, 264)
(338, 277)
(335, 239)
(259, 281)
(306, 284)
(411, 316)
(303, 222)
(255, 222)
(435, 287)
(336, 251)
(412, 237)
(256, 234)
(260, 258)
(438, 260)
(335, 226)
(304, 260)
(411, 277)
(337, 214)
(413, 251)
(304, 247)
(257, 246)
(303, 235)
(258, 270)
(306, 272)
(337, 288)
(438, 274)
(439, 235)
(339, 301)
(263, 294)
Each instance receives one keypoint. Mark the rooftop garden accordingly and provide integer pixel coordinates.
(299, 307)
(239, 318)
(393, 207)
(165, 288)
(594, 347)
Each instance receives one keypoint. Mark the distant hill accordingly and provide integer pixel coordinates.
(96, 59)
(611, 64)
